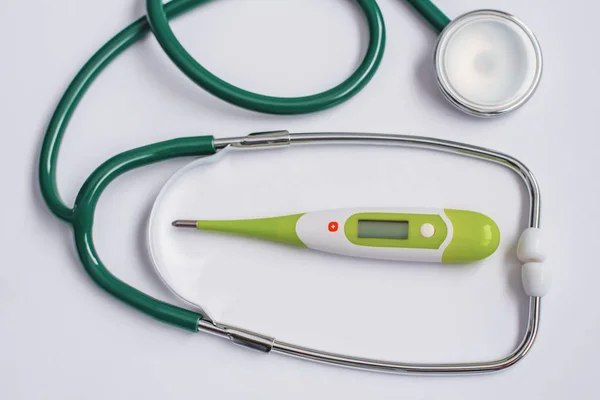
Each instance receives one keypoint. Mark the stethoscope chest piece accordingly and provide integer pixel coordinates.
(488, 63)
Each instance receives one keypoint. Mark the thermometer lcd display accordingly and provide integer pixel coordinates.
(369, 229)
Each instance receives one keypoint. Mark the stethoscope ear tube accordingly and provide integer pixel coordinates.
(269, 104)
(83, 220)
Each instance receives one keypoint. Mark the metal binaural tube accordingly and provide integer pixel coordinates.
(408, 141)
(418, 142)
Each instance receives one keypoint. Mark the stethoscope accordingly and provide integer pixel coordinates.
(488, 63)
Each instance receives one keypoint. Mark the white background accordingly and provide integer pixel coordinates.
(61, 337)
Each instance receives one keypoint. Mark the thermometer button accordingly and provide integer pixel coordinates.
(427, 230)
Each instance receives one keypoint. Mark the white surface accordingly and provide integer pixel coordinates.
(489, 62)
(61, 337)
(531, 245)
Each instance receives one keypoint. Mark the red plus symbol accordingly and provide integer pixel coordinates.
(333, 226)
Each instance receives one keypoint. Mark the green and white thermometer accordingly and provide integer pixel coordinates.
(401, 234)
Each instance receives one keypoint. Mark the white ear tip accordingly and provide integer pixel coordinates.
(536, 279)
(531, 246)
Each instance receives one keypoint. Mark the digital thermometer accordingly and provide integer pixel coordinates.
(402, 234)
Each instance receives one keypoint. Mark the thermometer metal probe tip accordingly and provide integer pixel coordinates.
(184, 223)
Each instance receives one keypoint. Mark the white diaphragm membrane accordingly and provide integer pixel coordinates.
(488, 63)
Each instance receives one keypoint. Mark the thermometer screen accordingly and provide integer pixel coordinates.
(368, 229)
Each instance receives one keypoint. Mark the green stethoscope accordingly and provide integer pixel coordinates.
(487, 62)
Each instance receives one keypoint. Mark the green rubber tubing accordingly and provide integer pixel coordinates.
(81, 215)
(436, 18)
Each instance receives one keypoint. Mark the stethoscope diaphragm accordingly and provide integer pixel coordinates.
(488, 63)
